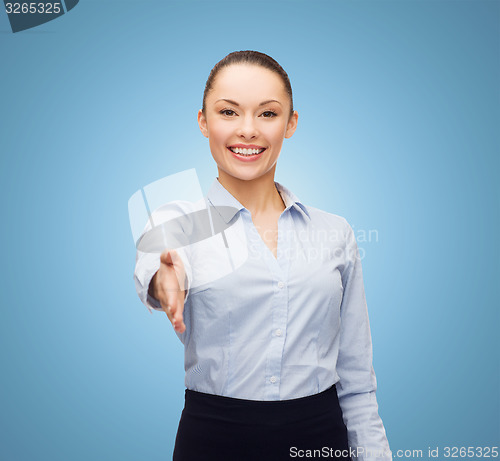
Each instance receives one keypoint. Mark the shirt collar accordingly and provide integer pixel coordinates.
(228, 206)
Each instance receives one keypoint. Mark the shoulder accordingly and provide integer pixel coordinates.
(336, 233)
(318, 218)
(321, 218)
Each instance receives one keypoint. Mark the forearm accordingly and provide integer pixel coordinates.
(357, 386)
(365, 430)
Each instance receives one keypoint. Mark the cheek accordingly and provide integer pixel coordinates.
(274, 134)
(218, 133)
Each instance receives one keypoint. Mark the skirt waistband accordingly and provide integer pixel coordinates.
(273, 412)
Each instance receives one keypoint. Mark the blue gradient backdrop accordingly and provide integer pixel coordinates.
(398, 131)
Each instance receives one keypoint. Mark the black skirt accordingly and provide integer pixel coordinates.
(214, 427)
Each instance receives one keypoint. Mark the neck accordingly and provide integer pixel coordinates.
(259, 196)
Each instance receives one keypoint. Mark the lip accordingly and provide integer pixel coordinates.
(247, 146)
(242, 158)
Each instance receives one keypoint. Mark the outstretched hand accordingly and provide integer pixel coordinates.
(168, 288)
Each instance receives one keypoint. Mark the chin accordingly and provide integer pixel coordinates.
(242, 175)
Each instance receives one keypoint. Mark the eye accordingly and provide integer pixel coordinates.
(269, 114)
(227, 112)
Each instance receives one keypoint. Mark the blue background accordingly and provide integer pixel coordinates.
(398, 131)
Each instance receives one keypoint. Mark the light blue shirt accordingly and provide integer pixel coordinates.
(279, 328)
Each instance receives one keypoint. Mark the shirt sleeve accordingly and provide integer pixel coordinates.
(147, 264)
(357, 385)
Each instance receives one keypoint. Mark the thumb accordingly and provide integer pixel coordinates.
(166, 257)
(170, 257)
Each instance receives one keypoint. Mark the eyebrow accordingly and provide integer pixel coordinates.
(263, 103)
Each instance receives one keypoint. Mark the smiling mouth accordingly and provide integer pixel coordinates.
(246, 152)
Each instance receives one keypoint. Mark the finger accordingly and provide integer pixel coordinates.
(178, 326)
(167, 309)
(172, 302)
(167, 301)
(172, 259)
(175, 308)
(179, 315)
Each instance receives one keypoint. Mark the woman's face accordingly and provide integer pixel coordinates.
(247, 117)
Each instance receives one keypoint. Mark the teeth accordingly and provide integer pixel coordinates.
(240, 151)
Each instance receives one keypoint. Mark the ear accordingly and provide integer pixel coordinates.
(292, 124)
(202, 122)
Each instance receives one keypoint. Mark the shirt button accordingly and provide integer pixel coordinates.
(273, 379)
(278, 332)
(281, 284)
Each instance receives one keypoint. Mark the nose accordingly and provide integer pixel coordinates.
(247, 128)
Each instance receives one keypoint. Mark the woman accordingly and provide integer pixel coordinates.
(278, 350)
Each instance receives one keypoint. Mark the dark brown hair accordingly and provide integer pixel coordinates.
(248, 57)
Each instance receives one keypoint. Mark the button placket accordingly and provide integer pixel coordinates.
(280, 310)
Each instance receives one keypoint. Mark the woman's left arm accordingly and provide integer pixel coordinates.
(357, 386)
